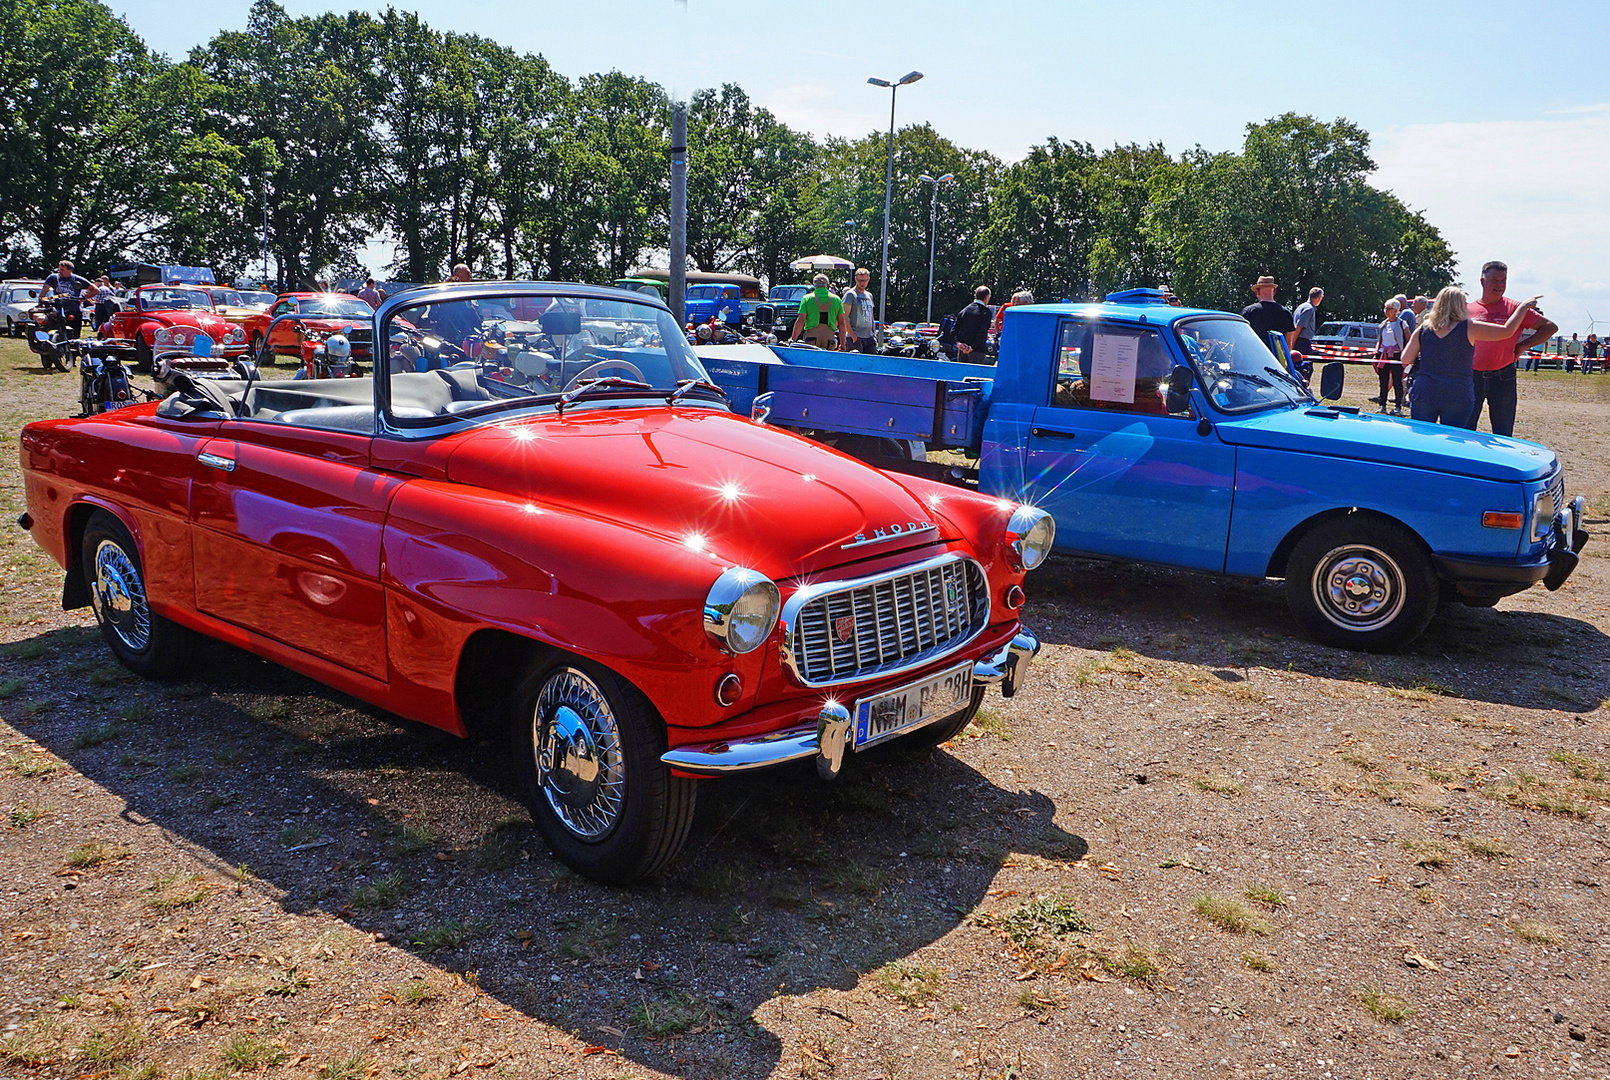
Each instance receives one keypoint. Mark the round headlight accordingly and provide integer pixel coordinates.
(1029, 534)
(741, 609)
(236, 334)
(164, 336)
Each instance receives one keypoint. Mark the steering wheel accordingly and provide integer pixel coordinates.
(592, 370)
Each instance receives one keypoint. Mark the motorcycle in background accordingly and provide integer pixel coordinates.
(103, 378)
(44, 340)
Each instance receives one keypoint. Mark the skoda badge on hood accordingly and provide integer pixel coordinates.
(893, 532)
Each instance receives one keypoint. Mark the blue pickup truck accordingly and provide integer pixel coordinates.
(1173, 436)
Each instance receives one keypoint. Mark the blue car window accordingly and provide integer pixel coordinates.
(1113, 367)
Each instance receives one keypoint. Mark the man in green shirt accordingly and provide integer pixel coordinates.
(821, 319)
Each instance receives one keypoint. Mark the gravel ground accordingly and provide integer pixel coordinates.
(1196, 842)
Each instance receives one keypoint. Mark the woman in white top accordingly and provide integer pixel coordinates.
(1389, 365)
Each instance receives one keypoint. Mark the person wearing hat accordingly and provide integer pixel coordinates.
(821, 319)
(1266, 315)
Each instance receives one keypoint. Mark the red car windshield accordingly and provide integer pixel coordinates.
(174, 299)
(339, 306)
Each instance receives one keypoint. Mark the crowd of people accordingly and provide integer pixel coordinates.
(1449, 357)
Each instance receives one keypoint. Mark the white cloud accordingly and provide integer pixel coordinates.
(1535, 194)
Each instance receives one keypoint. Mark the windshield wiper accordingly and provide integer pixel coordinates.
(598, 384)
(1287, 376)
(687, 386)
(1247, 375)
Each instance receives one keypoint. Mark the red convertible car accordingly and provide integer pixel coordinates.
(170, 316)
(323, 314)
(558, 534)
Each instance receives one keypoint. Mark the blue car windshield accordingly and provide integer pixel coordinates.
(1235, 369)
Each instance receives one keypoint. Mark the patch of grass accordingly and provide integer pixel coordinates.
(247, 1051)
(1580, 766)
(10, 687)
(447, 935)
(592, 940)
(355, 1067)
(32, 764)
(1523, 791)
(229, 755)
(1218, 785)
(173, 892)
(1265, 897)
(1488, 847)
(1384, 1006)
(1360, 759)
(1036, 1000)
(32, 649)
(1137, 964)
(95, 736)
(1539, 933)
(105, 1048)
(499, 849)
(212, 800)
(1230, 915)
(676, 1013)
(412, 839)
(135, 713)
(856, 877)
(104, 675)
(187, 773)
(908, 983)
(1427, 853)
(1258, 962)
(420, 991)
(35, 709)
(40, 1041)
(1035, 923)
(383, 893)
(290, 982)
(990, 722)
(25, 814)
(95, 853)
(1427, 895)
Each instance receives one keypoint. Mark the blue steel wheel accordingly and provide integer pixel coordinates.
(1361, 583)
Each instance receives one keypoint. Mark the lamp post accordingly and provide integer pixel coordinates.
(888, 185)
(933, 234)
(853, 226)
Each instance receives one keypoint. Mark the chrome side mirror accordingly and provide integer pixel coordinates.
(760, 410)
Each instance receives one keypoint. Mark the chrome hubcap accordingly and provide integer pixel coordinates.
(578, 754)
(119, 596)
(1359, 587)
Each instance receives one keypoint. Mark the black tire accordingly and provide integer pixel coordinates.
(1364, 584)
(143, 641)
(11, 328)
(944, 730)
(610, 808)
(143, 360)
(257, 349)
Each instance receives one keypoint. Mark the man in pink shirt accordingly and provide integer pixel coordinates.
(1494, 367)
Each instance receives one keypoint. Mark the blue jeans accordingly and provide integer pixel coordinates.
(1440, 400)
(1497, 388)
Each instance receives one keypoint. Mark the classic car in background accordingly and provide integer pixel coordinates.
(170, 316)
(322, 314)
(554, 531)
(17, 302)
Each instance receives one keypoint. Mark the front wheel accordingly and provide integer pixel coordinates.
(144, 362)
(1366, 585)
(587, 748)
(143, 641)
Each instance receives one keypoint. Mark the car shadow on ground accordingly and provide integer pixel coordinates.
(786, 885)
(1548, 661)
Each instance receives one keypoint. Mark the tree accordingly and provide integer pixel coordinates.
(1041, 225)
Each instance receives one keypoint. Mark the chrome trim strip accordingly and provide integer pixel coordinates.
(807, 593)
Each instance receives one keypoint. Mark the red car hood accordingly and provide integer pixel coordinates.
(201, 320)
(710, 480)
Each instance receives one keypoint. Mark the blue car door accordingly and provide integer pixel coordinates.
(1123, 475)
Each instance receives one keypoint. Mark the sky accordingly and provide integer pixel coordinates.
(1495, 125)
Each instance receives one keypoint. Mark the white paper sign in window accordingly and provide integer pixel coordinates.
(1112, 368)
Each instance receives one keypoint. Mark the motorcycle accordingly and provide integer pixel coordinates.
(332, 359)
(103, 380)
(45, 340)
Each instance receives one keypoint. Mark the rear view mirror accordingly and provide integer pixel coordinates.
(1331, 378)
(556, 323)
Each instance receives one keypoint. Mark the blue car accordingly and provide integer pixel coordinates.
(1174, 436)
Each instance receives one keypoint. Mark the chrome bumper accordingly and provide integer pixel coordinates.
(829, 737)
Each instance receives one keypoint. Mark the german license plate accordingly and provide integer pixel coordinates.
(887, 715)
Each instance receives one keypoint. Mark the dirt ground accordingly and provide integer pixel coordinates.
(1197, 843)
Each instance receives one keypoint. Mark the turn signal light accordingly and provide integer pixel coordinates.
(1014, 597)
(728, 689)
(1501, 519)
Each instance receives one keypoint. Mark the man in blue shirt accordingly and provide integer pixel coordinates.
(69, 288)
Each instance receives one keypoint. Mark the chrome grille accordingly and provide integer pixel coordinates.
(1557, 493)
(847, 630)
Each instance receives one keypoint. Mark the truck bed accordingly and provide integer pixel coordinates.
(938, 402)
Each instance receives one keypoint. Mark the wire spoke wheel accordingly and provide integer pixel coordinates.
(576, 743)
(117, 593)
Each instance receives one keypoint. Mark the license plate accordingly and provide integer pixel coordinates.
(913, 705)
(110, 405)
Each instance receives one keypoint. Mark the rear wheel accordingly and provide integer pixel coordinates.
(143, 361)
(587, 748)
(257, 348)
(143, 641)
(1365, 585)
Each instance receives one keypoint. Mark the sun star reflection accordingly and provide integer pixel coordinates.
(694, 541)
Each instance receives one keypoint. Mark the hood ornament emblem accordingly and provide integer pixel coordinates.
(844, 627)
(895, 531)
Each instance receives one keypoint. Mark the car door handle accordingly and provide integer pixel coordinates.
(1051, 433)
(216, 461)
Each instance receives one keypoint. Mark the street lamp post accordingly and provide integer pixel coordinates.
(888, 186)
(853, 226)
(933, 234)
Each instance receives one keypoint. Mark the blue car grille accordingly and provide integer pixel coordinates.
(881, 625)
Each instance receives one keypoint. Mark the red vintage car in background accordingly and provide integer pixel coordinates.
(323, 314)
(566, 540)
(170, 316)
